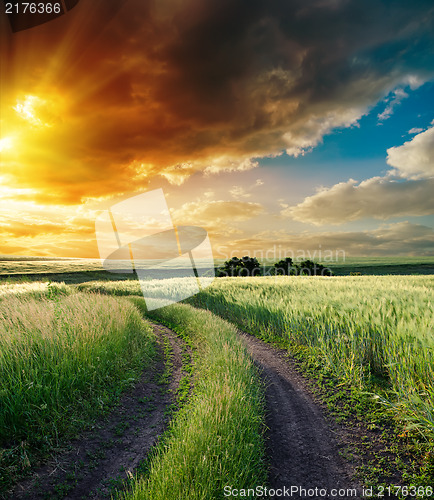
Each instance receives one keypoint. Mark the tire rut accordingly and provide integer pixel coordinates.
(303, 445)
(102, 458)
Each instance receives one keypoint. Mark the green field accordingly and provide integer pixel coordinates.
(217, 438)
(64, 357)
(371, 334)
(81, 270)
(383, 266)
(359, 328)
(67, 355)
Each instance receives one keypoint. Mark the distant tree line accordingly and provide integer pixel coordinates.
(250, 266)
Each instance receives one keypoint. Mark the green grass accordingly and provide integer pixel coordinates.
(34, 290)
(216, 439)
(366, 333)
(377, 266)
(29, 265)
(360, 329)
(118, 288)
(64, 358)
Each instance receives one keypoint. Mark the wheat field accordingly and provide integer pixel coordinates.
(357, 327)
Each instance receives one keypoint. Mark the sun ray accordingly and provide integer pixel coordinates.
(6, 143)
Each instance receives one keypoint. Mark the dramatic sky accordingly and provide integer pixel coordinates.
(301, 124)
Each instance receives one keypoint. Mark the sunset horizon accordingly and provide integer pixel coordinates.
(217, 249)
(272, 124)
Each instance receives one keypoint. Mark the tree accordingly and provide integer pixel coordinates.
(246, 266)
(310, 268)
(249, 266)
(285, 267)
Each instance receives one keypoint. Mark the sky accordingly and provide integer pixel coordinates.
(276, 125)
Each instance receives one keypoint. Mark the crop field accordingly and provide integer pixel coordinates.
(217, 438)
(363, 329)
(358, 327)
(377, 266)
(69, 351)
(20, 265)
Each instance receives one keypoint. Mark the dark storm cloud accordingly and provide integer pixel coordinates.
(175, 86)
(323, 46)
(256, 77)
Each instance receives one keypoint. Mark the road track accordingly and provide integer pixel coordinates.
(303, 445)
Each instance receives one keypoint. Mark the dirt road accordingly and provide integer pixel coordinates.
(303, 445)
(101, 459)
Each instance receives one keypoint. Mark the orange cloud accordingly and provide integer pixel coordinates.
(186, 86)
(114, 96)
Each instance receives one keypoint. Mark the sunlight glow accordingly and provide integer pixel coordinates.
(5, 144)
(27, 110)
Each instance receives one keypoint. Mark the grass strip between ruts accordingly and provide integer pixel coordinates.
(217, 439)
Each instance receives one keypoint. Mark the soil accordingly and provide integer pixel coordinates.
(305, 446)
(102, 458)
(303, 443)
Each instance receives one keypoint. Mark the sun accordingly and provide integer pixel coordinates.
(6, 143)
(26, 109)
(33, 110)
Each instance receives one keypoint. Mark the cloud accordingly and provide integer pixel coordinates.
(215, 212)
(18, 229)
(219, 218)
(239, 192)
(170, 87)
(403, 238)
(378, 197)
(243, 191)
(415, 130)
(398, 96)
(415, 158)
(32, 229)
